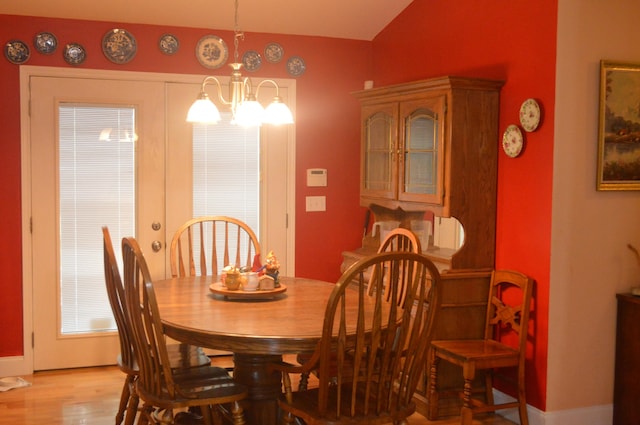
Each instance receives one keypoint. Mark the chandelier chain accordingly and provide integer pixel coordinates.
(237, 33)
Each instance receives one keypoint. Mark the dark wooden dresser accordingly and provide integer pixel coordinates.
(626, 392)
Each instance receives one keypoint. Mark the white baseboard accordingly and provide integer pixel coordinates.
(592, 415)
(14, 366)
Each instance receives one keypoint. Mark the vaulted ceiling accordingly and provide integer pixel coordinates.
(352, 19)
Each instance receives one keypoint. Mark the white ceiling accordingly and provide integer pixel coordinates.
(352, 19)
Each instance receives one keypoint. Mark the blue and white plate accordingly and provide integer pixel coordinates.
(16, 51)
(296, 66)
(273, 52)
(119, 46)
(74, 54)
(45, 43)
(212, 51)
(251, 60)
(169, 44)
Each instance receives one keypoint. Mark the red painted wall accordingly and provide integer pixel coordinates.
(327, 135)
(514, 42)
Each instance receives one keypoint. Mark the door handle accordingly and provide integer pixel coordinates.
(156, 246)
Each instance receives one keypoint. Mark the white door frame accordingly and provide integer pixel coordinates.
(23, 365)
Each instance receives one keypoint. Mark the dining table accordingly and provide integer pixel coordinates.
(259, 328)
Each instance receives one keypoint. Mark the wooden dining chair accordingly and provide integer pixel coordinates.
(502, 348)
(398, 239)
(205, 245)
(181, 356)
(376, 349)
(158, 385)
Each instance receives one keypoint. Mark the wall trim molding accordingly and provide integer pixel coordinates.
(14, 366)
(595, 415)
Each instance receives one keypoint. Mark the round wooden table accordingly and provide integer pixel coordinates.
(257, 331)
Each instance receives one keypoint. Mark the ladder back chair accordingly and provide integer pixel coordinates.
(372, 351)
(503, 348)
(203, 246)
(398, 239)
(158, 385)
(181, 356)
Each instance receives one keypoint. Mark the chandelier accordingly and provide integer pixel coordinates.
(244, 105)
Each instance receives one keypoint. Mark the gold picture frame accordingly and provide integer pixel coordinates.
(619, 127)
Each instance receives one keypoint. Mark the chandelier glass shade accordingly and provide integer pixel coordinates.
(243, 101)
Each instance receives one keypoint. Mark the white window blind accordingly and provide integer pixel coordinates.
(96, 188)
(226, 171)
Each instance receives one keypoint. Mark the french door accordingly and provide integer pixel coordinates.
(150, 187)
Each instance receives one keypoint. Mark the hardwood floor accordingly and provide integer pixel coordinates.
(90, 396)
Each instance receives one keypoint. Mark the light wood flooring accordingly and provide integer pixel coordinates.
(91, 395)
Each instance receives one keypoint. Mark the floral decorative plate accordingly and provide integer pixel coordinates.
(273, 52)
(530, 115)
(512, 141)
(45, 43)
(296, 66)
(169, 44)
(119, 46)
(74, 54)
(212, 51)
(251, 60)
(16, 51)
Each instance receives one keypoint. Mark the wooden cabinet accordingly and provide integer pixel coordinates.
(626, 390)
(433, 145)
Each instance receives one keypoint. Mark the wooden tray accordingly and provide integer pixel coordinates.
(218, 288)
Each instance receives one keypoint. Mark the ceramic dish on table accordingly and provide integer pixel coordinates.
(219, 289)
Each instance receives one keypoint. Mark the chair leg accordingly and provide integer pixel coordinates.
(432, 413)
(522, 401)
(304, 381)
(468, 373)
(488, 387)
(237, 414)
(124, 399)
(132, 407)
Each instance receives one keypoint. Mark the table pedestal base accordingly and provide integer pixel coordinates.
(264, 387)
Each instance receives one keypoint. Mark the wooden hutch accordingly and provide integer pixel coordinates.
(432, 145)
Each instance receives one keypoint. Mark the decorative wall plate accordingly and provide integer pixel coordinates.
(16, 51)
(45, 43)
(512, 141)
(296, 66)
(119, 46)
(212, 51)
(273, 52)
(251, 60)
(169, 44)
(74, 54)
(530, 115)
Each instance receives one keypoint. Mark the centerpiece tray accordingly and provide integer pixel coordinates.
(220, 289)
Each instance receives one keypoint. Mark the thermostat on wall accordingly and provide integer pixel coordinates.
(316, 177)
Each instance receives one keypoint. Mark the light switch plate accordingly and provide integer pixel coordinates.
(316, 203)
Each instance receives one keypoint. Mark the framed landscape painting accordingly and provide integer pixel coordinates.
(619, 127)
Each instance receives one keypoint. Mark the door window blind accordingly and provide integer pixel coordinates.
(96, 148)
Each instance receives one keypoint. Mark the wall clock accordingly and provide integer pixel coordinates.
(530, 115)
(512, 141)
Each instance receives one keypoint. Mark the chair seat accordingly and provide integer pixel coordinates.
(181, 356)
(197, 385)
(484, 353)
(305, 405)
